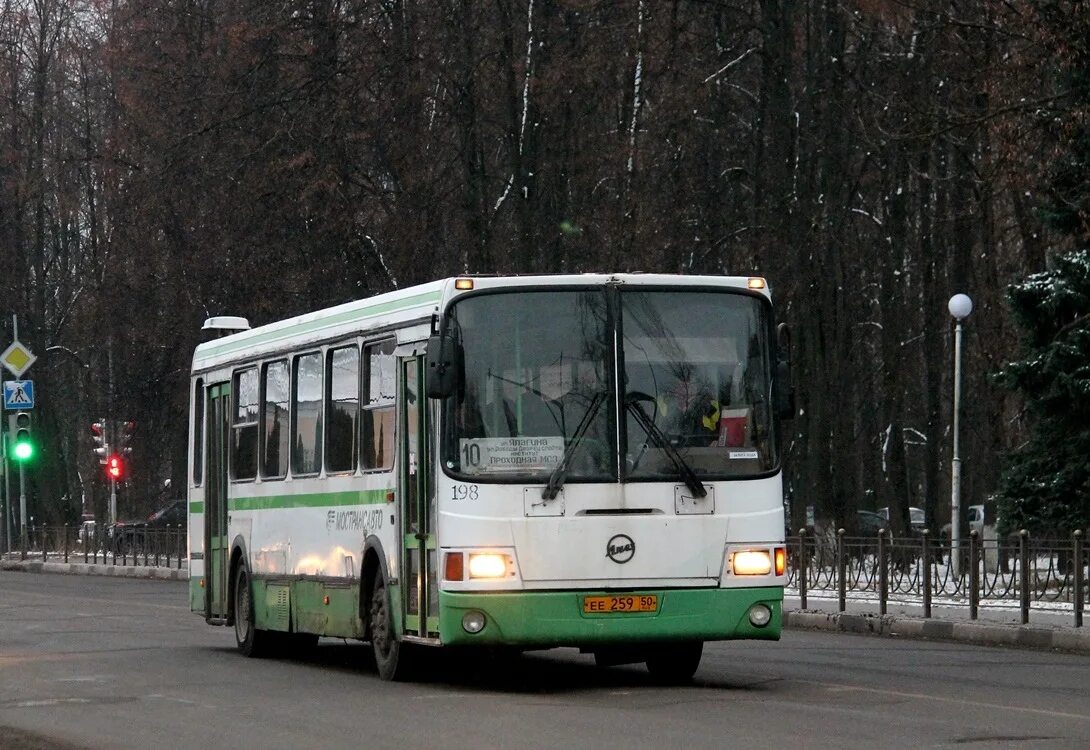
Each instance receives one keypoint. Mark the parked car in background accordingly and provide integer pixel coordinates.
(917, 518)
(129, 536)
(975, 514)
(976, 518)
(869, 523)
(86, 531)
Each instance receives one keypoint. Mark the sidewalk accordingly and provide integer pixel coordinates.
(97, 569)
(998, 624)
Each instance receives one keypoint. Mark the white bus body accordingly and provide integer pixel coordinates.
(602, 474)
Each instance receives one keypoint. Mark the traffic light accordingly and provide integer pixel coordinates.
(115, 467)
(99, 437)
(127, 431)
(22, 446)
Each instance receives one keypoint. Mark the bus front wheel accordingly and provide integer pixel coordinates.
(391, 657)
(674, 662)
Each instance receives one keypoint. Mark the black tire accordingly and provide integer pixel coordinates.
(250, 641)
(391, 655)
(675, 662)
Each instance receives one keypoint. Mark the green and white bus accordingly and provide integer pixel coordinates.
(514, 462)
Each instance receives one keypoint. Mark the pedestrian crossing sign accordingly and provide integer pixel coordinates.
(18, 394)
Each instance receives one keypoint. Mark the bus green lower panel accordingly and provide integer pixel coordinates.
(307, 606)
(545, 619)
(326, 609)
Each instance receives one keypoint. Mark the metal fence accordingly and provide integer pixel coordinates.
(159, 547)
(1017, 568)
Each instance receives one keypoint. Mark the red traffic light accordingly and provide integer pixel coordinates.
(115, 467)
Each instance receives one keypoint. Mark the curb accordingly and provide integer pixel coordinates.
(981, 634)
(100, 569)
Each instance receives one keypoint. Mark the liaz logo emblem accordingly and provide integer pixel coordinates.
(620, 548)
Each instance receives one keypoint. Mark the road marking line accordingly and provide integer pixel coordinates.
(9, 658)
(941, 699)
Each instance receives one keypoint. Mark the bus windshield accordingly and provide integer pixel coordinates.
(539, 383)
(538, 369)
(696, 367)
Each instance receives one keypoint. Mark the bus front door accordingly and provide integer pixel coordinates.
(419, 554)
(215, 501)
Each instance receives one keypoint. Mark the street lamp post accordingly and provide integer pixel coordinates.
(960, 306)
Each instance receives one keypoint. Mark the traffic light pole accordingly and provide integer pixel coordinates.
(113, 501)
(7, 495)
(22, 501)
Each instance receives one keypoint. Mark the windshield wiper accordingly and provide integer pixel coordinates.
(556, 479)
(632, 403)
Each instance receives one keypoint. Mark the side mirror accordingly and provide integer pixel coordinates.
(783, 395)
(444, 366)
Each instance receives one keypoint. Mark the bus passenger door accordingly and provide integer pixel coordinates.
(419, 554)
(215, 501)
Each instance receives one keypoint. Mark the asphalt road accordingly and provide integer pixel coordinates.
(90, 662)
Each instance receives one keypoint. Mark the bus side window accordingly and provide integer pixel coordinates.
(306, 405)
(274, 421)
(377, 423)
(198, 432)
(244, 425)
(342, 408)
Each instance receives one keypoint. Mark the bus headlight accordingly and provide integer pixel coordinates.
(751, 562)
(487, 565)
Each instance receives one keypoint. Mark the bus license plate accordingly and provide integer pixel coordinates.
(621, 603)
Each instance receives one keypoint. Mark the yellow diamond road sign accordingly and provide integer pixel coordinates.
(17, 358)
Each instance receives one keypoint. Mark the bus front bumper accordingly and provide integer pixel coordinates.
(543, 619)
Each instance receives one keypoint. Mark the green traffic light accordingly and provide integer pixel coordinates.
(23, 451)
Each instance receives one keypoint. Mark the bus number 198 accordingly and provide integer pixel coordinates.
(465, 492)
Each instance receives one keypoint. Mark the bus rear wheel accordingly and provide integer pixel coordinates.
(250, 640)
(674, 662)
(391, 655)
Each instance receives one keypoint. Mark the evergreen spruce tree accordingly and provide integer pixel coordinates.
(1046, 484)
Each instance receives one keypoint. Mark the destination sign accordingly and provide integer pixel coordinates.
(513, 454)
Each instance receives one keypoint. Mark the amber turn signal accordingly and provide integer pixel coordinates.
(453, 566)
